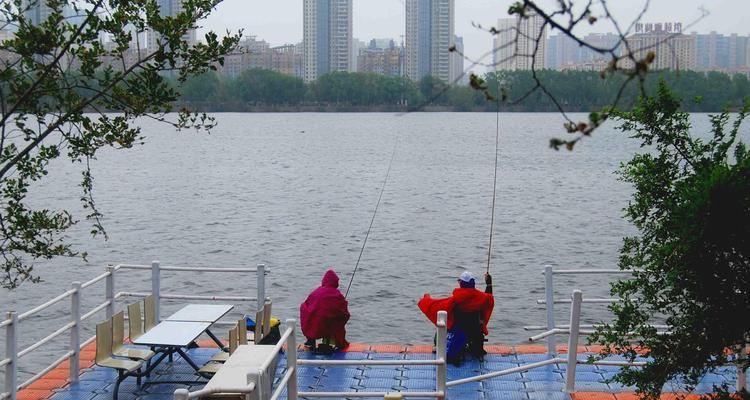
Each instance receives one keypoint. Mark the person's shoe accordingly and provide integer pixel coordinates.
(324, 349)
(341, 348)
(310, 343)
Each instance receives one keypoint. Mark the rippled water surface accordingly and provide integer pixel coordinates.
(297, 192)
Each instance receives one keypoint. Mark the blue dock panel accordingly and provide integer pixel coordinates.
(545, 383)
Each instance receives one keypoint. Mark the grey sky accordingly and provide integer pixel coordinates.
(280, 21)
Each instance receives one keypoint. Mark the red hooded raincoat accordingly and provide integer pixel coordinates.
(465, 299)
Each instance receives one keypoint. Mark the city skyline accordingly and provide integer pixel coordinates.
(328, 45)
(280, 22)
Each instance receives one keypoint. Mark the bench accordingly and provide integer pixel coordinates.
(240, 370)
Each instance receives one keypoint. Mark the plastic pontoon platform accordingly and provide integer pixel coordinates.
(545, 383)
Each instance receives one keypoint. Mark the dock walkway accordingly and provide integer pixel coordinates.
(539, 384)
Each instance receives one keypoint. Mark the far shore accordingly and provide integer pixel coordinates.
(348, 108)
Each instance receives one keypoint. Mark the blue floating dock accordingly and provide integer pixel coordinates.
(546, 383)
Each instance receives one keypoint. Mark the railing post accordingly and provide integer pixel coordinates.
(441, 350)
(181, 394)
(741, 373)
(575, 320)
(261, 286)
(110, 291)
(75, 332)
(549, 290)
(156, 288)
(259, 386)
(11, 352)
(291, 360)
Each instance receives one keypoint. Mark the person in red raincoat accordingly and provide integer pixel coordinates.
(325, 312)
(469, 312)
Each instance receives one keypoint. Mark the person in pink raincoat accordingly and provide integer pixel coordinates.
(325, 312)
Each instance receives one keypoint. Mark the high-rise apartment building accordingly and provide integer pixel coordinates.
(429, 37)
(257, 54)
(357, 46)
(717, 52)
(564, 53)
(737, 52)
(520, 43)
(458, 59)
(6, 57)
(672, 49)
(381, 58)
(327, 37)
(504, 45)
(169, 8)
(602, 41)
(37, 11)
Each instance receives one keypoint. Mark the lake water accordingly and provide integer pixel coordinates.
(297, 192)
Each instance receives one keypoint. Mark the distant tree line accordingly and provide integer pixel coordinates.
(264, 90)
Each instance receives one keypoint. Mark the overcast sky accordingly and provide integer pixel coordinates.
(280, 21)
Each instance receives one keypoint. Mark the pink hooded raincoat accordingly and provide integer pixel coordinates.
(325, 312)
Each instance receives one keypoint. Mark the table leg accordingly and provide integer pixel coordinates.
(186, 358)
(155, 363)
(217, 340)
(165, 351)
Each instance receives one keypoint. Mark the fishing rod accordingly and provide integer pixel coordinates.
(393, 154)
(494, 184)
(372, 220)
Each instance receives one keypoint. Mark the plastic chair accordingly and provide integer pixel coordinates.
(213, 366)
(149, 312)
(241, 332)
(135, 324)
(118, 337)
(266, 318)
(125, 368)
(223, 356)
(259, 320)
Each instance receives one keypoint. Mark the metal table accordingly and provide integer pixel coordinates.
(202, 313)
(172, 336)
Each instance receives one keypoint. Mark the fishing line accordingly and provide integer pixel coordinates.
(494, 184)
(393, 154)
(367, 235)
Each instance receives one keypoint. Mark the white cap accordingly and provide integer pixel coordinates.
(466, 276)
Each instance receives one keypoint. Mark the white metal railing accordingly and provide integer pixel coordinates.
(289, 379)
(575, 328)
(439, 361)
(571, 359)
(551, 329)
(441, 384)
(73, 327)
